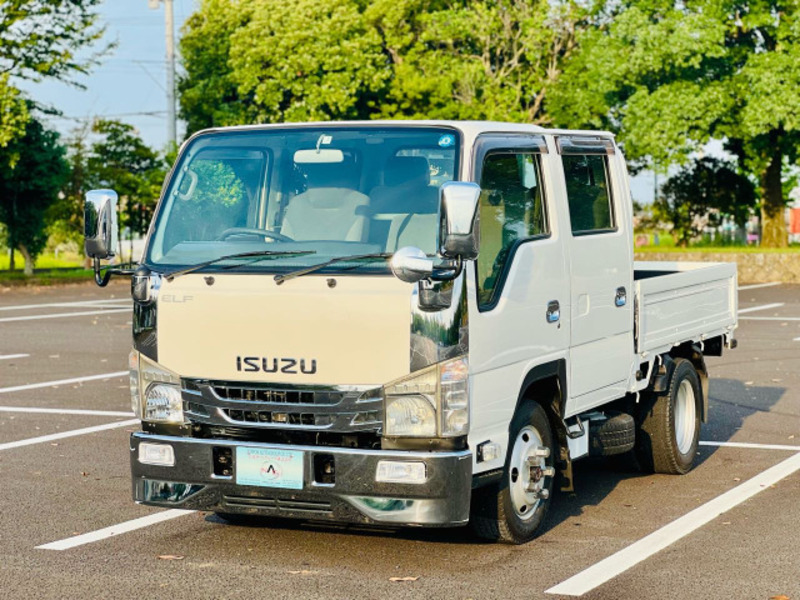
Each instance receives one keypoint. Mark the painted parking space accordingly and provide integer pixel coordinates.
(75, 531)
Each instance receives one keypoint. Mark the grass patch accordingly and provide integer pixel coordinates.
(44, 261)
(46, 277)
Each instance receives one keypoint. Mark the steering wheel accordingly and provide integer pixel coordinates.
(273, 235)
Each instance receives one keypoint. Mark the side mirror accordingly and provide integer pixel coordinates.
(100, 224)
(411, 264)
(459, 226)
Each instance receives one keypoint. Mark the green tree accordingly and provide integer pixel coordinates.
(120, 160)
(492, 60)
(209, 95)
(65, 217)
(13, 112)
(271, 61)
(670, 76)
(706, 190)
(40, 39)
(29, 185)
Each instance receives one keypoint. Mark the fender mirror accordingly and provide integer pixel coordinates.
(459, 227)
(100, 224)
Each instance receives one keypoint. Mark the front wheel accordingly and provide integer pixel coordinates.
(669, 430)
(513, 510)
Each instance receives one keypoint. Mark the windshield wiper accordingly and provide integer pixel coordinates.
(279, 279)
(257, 254)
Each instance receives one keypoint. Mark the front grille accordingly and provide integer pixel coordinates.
(276, 396)
(265, 406)
(265, 416)
(305, 506)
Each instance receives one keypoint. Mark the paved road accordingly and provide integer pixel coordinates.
(56, 488)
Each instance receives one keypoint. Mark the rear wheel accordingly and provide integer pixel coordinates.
(513, 510)
(670, 424)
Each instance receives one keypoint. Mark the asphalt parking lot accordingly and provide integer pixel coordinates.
(729, 529)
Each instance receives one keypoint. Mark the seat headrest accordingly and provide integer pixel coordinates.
(407, 170)
(330, 175)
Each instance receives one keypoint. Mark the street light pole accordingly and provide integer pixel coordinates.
(169, 25)
(169, 31)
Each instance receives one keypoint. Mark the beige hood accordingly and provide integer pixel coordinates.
(356, 333)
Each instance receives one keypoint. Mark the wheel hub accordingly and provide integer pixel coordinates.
(685, 416)
(528, 472)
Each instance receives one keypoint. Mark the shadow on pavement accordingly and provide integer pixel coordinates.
(595, 478)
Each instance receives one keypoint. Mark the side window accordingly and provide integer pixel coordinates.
(511, 211)
(588, 194)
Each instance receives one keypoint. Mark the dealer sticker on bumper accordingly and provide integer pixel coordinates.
(269, 467)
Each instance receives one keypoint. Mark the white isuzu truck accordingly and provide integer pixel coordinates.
(405, 323)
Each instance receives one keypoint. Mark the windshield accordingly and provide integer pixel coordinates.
(308, 194)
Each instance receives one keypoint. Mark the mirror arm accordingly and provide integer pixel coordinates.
(448, 272)
(103, 275)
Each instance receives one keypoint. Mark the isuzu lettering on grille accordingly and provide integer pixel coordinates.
(263, 364)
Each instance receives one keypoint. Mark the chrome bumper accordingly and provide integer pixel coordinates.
(355, 496)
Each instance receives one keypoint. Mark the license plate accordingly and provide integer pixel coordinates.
(269, 467)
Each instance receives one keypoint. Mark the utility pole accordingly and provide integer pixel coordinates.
(169, 31)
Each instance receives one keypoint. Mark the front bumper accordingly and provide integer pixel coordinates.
(354, 497)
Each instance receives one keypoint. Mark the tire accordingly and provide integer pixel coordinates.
(669, 428)
(506, 511)
(616, 435)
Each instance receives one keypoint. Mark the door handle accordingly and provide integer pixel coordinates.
(553, 311)
(621, 299)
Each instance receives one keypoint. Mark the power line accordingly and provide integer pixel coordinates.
(147, 113)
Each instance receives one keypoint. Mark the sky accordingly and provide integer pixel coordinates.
(129, 84)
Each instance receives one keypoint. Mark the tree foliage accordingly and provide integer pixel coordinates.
(121, 161)
(491, 60)
(705, 191)
(670, 76)
(41, 38)
(13, 112)
(271, 61)
(29, 185)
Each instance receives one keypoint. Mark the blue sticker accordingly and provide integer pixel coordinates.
(446, 141)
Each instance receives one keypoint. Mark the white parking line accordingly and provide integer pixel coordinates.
(59, 315)
(758, 285)
(764, 307)
(44, 384)
(769, 318)
(65, 434)
(107, 532)
(93, 303)
(65, 411)
(754, 446)
(9, 356)
(646, 547)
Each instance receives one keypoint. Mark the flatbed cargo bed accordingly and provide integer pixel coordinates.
(680, 301)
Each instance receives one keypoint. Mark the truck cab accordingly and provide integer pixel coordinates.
(405, 323)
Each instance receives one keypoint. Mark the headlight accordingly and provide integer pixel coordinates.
(155, 391)
(162, 403)
(429, 403)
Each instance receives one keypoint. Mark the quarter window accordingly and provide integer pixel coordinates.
(590, 208)
(511, 212)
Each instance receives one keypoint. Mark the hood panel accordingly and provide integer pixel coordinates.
(357, 333)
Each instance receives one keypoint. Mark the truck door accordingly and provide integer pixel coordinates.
(519, 278)
(601, 257)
